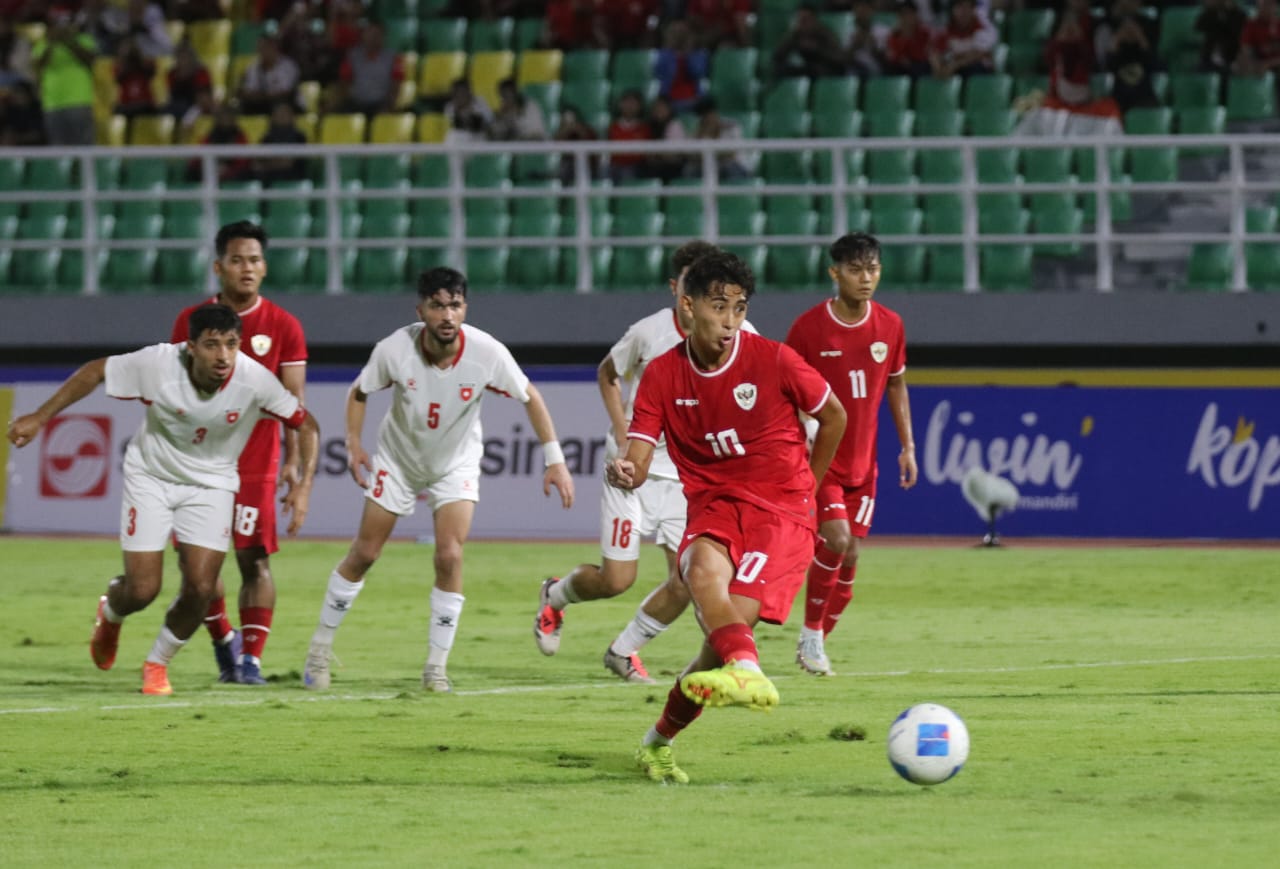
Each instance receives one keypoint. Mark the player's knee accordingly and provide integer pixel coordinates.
(617, 577)
(448, 558)
(255, 566)
(361, 557)
(140, 591)
(840, 542)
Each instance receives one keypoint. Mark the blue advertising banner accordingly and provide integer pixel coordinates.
(1091, 461)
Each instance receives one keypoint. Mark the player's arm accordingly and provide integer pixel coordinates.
(831, 422)
(631, 469)
(84, 381)
(611, 394)
(900, 407)
(357, 459)
(557, 473)
(294, 378)
(297, 500)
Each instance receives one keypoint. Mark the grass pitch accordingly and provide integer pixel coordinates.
(1123, 707)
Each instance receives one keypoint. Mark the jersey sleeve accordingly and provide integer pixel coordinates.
(377, 373)
(507, 377)
(127, 374)
(807, 388)
(179, 333)
(646, 415)
(293, 342)
(626, 353)
(273, 398)
(899, 362)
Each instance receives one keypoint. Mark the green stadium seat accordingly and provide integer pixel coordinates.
(487, 267)
(547, 95)
(348, 224)
(528, 33)
(431, 171)
(887, 94)
(401, 34)
(585, 66)
(835, 96)
(756, 256)
(897, 221)
(12, 170)
(841, 24)
(1251, 98)
(487, 170)
(1195, 89)
(135, 209)
(788, 167)
(532, 169)
(1262, 264)
(244, 37)
(1005, 267)
(36, 270)
(381, 270)
(1179, 43)
(47, 174)
(8, 227)
(601, 225)
(786, 221)
(1030, 26)
(538, 206)
(534, 225)
(744, 198)
(534, 268)
(393, 170)
(998, 165)
(443, 34)
(431, 222)
(1046, 165)
(943, 214)
(150, 227)
(639, 204)
(1260, 218)
(490, 34)
(733, 79)
(43, 227)
(385, 225)
(946, 268)
(749, 121)
(295, 224)
(599, 258)
(1002, 216)
(636, 268)
(742, 223)
(1210, 266)
(937, 94)
(1159, 164)
(991, 122)
(674, 206)
(230, 210)
(1205, 122)
(987, 93)
(589, 97)
(947, 123)
(639, 225)
(184, 271)
(1148, 121)
(1057, 221)
(684, 225)
(487, 225)
(789, 96)
(902, 266)
(795, 267)
(428, 9)
(318, 269)
(632, 69)
(129, 270)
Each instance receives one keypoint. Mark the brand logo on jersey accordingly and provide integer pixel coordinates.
(745, 395)
(686, 402)
(260, 344)
(879, 351)
(232, 416)
(831, 353)
(75, 457)
(466, 391)
(412, 384)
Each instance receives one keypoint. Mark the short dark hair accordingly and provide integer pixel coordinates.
(689, 253)
(718, 268)
(450, 280)
(855, 247)
(212, 318)
(239, 229)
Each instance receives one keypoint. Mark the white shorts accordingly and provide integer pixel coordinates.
(657, 509)
(391, 489)
(151, 510)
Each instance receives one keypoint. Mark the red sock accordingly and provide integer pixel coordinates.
(215, 619)
(819, 582)
(734, 643)
(841, 594)
(255, 624)
(678, 714)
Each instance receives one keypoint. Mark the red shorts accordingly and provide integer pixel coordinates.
(836, 502)
(255, 517)
(771, 551)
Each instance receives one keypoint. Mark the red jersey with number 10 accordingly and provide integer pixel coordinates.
(734, 432)
(857, 359)
(273, 337)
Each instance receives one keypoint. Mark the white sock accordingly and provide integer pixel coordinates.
(810, 634)
(641, 630)
(562, 594)
(165, 647)
(653, 737)
(446, 609)
(748, 665)
(109, 614)
(338, 599)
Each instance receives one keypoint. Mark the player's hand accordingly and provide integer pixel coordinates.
(295, 504)
(24, 429)
(357, 463)
(907, 470)
(290, 475)
(558, 475)
(620, 473)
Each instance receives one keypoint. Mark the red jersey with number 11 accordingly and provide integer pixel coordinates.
(734, 432)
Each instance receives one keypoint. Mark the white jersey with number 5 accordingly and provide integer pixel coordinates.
(188, 436)
(643, 342)
(433, 426)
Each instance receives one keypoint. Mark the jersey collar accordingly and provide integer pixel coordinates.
(733, 357)
(831, 312)
(675, 320)
(457, 357)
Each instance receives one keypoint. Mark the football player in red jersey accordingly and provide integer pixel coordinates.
(274, 338)
(860, 347)
(727, 402)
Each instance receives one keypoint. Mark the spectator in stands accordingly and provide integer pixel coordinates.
(468, 115)
(1119, 12)
(205, 106)
(719, 23)
(810, 48)
(681, 68)
(63, 64)
(1131, 59)
(226, 131)
(1069, 56)
(628, 125)
(575, 24)
(1260, 41)
(713, 125)
(907, 49)
(133, 74)
(21, 120)
(632, 23)
(866, 49)
(111, 24)
(369, 79)
(518, 118)
(271, 77)
(1221, 22)
(187, 78)
(196, 10)
(15, 55)
(573, 129)
(282, 131)
(967, 44)
(664, 126)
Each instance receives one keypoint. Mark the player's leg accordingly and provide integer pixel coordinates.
(824, 569)
(255, 540)
(452, 522)
(862, 506)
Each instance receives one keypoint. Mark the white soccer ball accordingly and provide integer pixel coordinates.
(928, 744)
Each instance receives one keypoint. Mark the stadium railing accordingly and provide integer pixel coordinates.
(1234, 187)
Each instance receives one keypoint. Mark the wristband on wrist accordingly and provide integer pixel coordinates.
(552, 454)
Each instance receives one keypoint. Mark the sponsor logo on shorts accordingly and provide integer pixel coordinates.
(75, 456)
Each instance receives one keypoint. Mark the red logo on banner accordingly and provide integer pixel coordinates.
(75, 457)
(466, 392)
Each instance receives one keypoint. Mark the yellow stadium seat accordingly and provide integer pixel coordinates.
(432, 127)
(308, 124)
(160, 81)
(309, 96)
(32, 31)
(239, 63)
(438, 71)
(535, 67)
(487, 69)
(217, 67)
(151, 130)
(342, 129)
(105, 92)
(392, 128)
(255, 127)
(199, 128)
(176, 30)
(210, 38)
(110, 131)
(408, 91)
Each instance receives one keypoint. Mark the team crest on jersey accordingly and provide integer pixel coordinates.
(232, 416)
(745, 395)
(466, 390)
(260, 344)
(879, 351)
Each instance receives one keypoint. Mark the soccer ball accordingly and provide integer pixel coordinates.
(928, 744)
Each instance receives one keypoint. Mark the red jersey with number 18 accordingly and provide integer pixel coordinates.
(857, 359)
(733, 432)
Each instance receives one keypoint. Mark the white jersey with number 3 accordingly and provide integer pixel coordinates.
(188, 436)
(433, 425)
